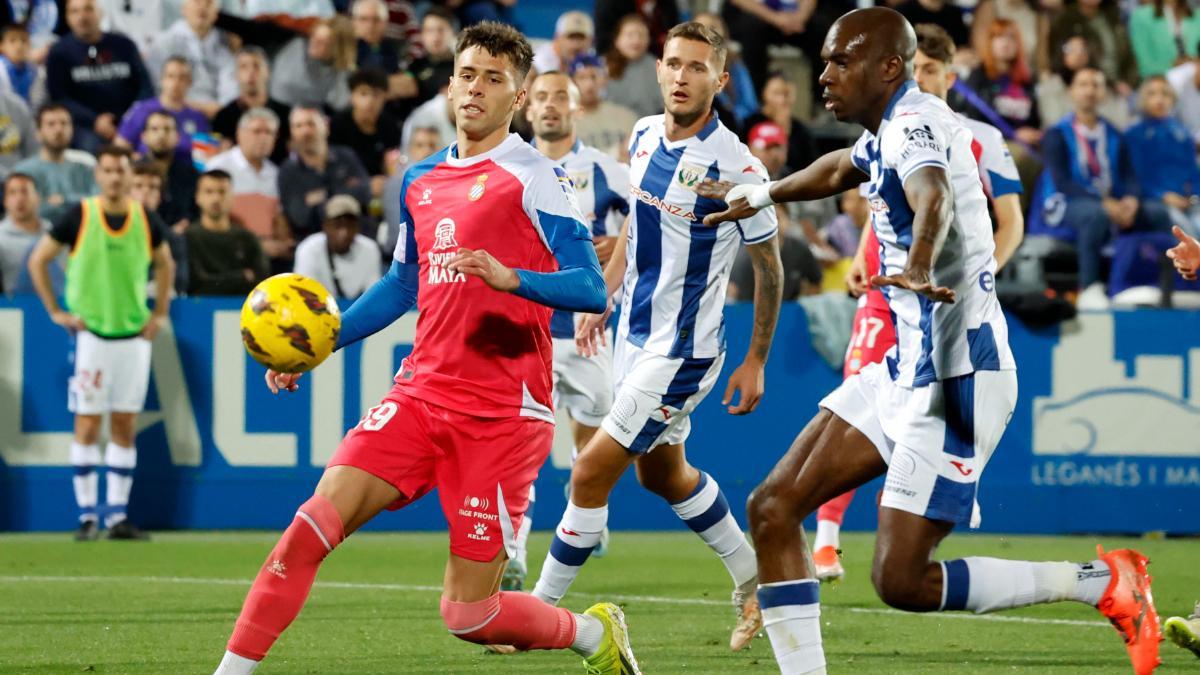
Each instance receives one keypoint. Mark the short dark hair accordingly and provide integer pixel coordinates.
(13, 28)
(159, 113)
(216, 174)
(147, 167)
(698, 32)
(439, 12)
(17, 175)
(111, 150)
(49, 108)
(499, 39)
(933, 41)
(369, 77)
(176, 59)
(1075, 73)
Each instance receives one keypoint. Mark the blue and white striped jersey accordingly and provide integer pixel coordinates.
(677, 268)
(602, 186)
(935, 341)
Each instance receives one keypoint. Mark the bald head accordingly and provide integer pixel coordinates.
(882, 30)
(868, 55)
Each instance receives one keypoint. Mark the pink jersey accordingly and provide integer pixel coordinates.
(479, 351)
(873, 298)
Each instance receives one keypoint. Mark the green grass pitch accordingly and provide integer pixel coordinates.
(167, 607)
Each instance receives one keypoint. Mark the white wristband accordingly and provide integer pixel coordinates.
(758, 196)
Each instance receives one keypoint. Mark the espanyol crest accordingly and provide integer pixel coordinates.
(476, 190)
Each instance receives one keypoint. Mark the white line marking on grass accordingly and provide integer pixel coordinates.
(649, 599)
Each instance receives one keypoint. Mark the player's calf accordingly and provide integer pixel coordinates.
(283, 583)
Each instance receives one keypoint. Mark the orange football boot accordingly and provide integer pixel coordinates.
(1128, 604)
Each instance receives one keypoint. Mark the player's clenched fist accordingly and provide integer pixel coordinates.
(284, 381)
(481, 264)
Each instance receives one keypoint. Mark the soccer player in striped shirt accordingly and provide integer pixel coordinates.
(670, 340)
(582, 385)
(931, 415)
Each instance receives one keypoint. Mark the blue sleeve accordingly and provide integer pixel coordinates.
(578, 285)
(384, 302)
(1057, 155)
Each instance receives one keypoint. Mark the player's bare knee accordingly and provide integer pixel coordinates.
(771, 511)
(901, 588)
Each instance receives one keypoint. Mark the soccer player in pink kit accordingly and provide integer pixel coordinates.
(491, 241)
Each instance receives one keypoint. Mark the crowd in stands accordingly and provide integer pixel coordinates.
(276, 140)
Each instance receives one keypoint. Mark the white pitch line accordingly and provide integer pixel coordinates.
(649, 599)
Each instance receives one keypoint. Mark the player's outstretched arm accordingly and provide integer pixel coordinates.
(384, 302)
(829, 175)
(1010, 227)
(928, 192)
(748, 378)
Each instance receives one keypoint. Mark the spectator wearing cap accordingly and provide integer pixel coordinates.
(632, 72)
(339, 256)
(175, 82)
(223, 257)
(97, 75)
(433, 70)
(601, 124)
(315, 171)
(778, 97)
(573, 34)
(61, 179)
(253, 75)
(367, 127)
(196, 38)
(256, 181)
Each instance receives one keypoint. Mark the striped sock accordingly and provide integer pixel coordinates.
(707, 513)
(792, 616)
(85, 459)
(120, 463)
(577, 534)
(989, 584)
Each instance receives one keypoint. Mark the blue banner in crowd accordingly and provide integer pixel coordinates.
(1105, 437)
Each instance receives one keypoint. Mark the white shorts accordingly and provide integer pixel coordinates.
(655, 395)
(582, 384)
(110, 375)
(936, 439)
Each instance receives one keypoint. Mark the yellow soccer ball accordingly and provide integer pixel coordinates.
(290, 323)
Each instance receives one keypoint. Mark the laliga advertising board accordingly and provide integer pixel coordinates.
(1105, 436)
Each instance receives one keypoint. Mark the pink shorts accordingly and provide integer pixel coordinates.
(483, 467)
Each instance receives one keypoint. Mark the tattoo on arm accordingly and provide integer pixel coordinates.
(768, 295)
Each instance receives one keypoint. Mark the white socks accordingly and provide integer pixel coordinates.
(706, 512)
(233, 664)
(86, 459)
(589, 631)
(791, 613)
(576, 535)
(827, 535)
(989, 584)
(120, 463)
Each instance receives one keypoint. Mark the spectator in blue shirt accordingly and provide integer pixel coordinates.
(1164, 156)
(18, 70)
(739, 95)
(1090, 185)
